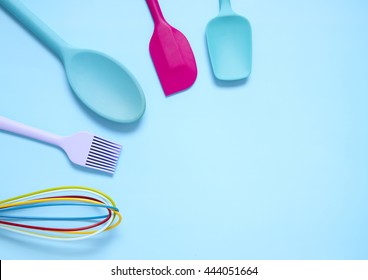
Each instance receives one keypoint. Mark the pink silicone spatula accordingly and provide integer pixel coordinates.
(171, 54)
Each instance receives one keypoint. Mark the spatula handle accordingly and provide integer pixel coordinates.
(225, 7)
(28, 131)
(155, 10)
(36, 26)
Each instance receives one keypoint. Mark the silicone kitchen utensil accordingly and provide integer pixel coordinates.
(171, 54)
(101, 83)
(82, 148)
(229, 42)
(69, 222)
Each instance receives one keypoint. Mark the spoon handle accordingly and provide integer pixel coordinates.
(36, 26)
(225, 7)
(156, 12)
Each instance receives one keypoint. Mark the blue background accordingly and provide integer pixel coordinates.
(274, 168)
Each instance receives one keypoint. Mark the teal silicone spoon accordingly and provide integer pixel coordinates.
(101, 83)
(229, 42)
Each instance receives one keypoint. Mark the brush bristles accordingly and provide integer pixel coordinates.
(103, 155)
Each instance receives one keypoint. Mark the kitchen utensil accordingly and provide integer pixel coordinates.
(171, 54)
(82, 148)
(229, 42)
(37, 218)
(101, 83)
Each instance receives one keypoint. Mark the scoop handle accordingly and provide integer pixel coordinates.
(28, 131)
(156, 12)
(225, 7)
(36, 26)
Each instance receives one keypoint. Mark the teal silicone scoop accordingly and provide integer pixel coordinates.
(101, 83)
(229, 42)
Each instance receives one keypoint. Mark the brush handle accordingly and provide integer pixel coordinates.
(48, 37)
(225, 7)
(156, 12)
(28, 131)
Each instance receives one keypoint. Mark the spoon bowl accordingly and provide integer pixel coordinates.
(105, 86)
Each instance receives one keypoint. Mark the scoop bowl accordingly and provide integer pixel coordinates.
(229, 43)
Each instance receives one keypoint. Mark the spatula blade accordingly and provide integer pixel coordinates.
(173, 58)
